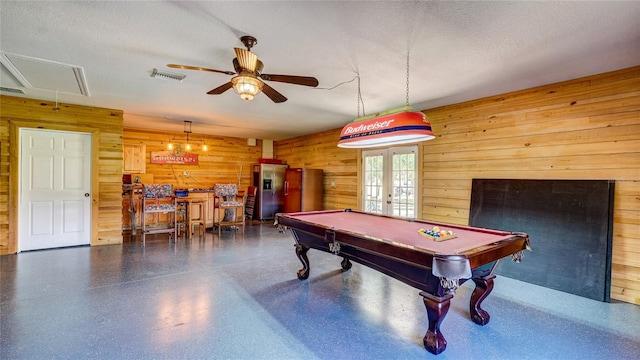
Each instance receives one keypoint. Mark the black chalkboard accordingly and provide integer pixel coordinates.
(569, 223)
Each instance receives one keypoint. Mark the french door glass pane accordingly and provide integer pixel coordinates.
(373, 183)
(403, 174)
(389, 181)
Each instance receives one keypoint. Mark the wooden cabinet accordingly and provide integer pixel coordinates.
(133, 158)
(209, 206)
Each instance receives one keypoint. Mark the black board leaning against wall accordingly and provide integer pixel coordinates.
(569, 223)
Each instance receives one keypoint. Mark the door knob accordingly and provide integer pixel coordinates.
(86, 194)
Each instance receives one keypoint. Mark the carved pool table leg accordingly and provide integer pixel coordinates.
(437, 308)
(484, 286)
(301, 252)
(346, 264)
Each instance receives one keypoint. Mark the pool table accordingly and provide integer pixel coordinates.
(395, 246)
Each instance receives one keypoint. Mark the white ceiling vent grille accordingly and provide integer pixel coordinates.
(11, 90)
(162, 74)
(45, 74)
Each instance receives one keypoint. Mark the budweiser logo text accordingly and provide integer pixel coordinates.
(370, 127)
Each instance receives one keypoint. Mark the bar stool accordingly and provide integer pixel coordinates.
(157, 200)
(231, 211)
(197, 216)
(182, 216)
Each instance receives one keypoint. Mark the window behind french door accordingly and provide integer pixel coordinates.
(390, 181)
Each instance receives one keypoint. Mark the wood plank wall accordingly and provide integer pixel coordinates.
(587, 128)
(224, 160)
(319, 151)
(105, 125)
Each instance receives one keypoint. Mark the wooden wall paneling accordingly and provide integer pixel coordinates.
(586, 128)
(320, 151)
(4, 185)
(580, 129)
(105, 125)
(223, 162)
(626, 242)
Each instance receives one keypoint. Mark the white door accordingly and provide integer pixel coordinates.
(55, 189)
(390, 181)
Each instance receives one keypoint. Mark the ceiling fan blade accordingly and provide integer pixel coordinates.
(291, 79)
(187, 67)
(247, 59)
(275, 96)
(220, 89)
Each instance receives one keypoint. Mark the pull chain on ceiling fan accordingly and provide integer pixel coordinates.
(248, 80)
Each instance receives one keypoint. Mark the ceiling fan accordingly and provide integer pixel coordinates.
(248, 70)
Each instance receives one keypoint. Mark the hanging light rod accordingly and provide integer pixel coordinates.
(187, 145)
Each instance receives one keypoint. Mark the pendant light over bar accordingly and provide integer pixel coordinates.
(187, 145)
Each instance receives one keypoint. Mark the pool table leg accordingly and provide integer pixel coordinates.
(346, 264)
(437, 308)
(484, 286)
(301, 252)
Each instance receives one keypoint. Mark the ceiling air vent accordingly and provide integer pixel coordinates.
(162, 74)
(34, 73)
(11, 90)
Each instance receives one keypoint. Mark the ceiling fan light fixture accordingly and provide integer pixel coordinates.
(246, 86)
(248, 68)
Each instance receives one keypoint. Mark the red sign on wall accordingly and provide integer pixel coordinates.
(167, 157)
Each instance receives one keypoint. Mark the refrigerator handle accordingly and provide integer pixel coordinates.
(286, 188)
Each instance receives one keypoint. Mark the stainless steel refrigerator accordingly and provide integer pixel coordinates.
(269, 180)
(303, 190)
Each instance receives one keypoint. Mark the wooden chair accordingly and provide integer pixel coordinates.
(182, 216)
(197, 216)
(230, 207)
(189, 214)
(158, 199)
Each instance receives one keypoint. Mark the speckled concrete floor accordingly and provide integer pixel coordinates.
(238, 297)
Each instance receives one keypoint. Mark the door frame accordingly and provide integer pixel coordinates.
(419, 185)
(14, 172)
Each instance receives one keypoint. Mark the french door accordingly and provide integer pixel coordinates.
(390, 181)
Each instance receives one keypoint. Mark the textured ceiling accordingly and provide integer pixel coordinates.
(458, 51)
